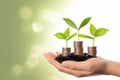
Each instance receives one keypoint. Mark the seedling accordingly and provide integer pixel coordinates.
(73, 25)
(95, 33)
(78, 54)
(65, 36)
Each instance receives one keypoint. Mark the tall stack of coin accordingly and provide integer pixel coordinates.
(66, 51)
(92, 51)
(78, 48)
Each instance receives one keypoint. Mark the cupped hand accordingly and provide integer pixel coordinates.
(78, 69)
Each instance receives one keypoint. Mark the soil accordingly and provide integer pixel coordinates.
(73, 57)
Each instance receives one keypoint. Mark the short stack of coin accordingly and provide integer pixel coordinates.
(78, 48)
(66, 51)
(92, 51)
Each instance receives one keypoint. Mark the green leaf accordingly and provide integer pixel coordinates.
(73, 35)
(67, 32)
(85, 36)
(70, 22)
(84, 22)
(60, 36)
(101, 32)
(92, 29)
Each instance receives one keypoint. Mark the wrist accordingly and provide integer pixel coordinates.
(112, 68)
(107, 67)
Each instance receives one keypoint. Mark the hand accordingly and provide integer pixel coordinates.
(84, 68)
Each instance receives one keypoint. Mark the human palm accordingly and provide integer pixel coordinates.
(84, 68)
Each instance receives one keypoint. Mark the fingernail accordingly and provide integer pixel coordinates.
(65, 64)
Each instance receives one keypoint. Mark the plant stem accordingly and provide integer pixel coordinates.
(78, 34)
(66, 43)
(93, 42)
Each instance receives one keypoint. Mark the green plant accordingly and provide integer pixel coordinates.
(95, 33)
(65, 36)
(73, 25)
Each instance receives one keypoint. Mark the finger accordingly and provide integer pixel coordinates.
(75, 65)
(56, 64)
(77, 73)
(52, 54)
(82, 73)
(58, 53)
(49, 56)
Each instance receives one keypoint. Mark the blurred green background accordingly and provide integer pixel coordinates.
(27, 28)
(24, 34)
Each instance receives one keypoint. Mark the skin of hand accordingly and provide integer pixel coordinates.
(78, 69)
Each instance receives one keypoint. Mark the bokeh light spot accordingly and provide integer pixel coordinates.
(36, 50)
(49, 16)
(17, 70)
(25, 13)
(37, 27)
(32, 61)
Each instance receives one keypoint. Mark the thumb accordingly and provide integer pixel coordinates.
(74, 65)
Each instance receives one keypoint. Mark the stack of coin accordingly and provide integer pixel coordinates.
(66, 51)
(92, 51)
(78, 48)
